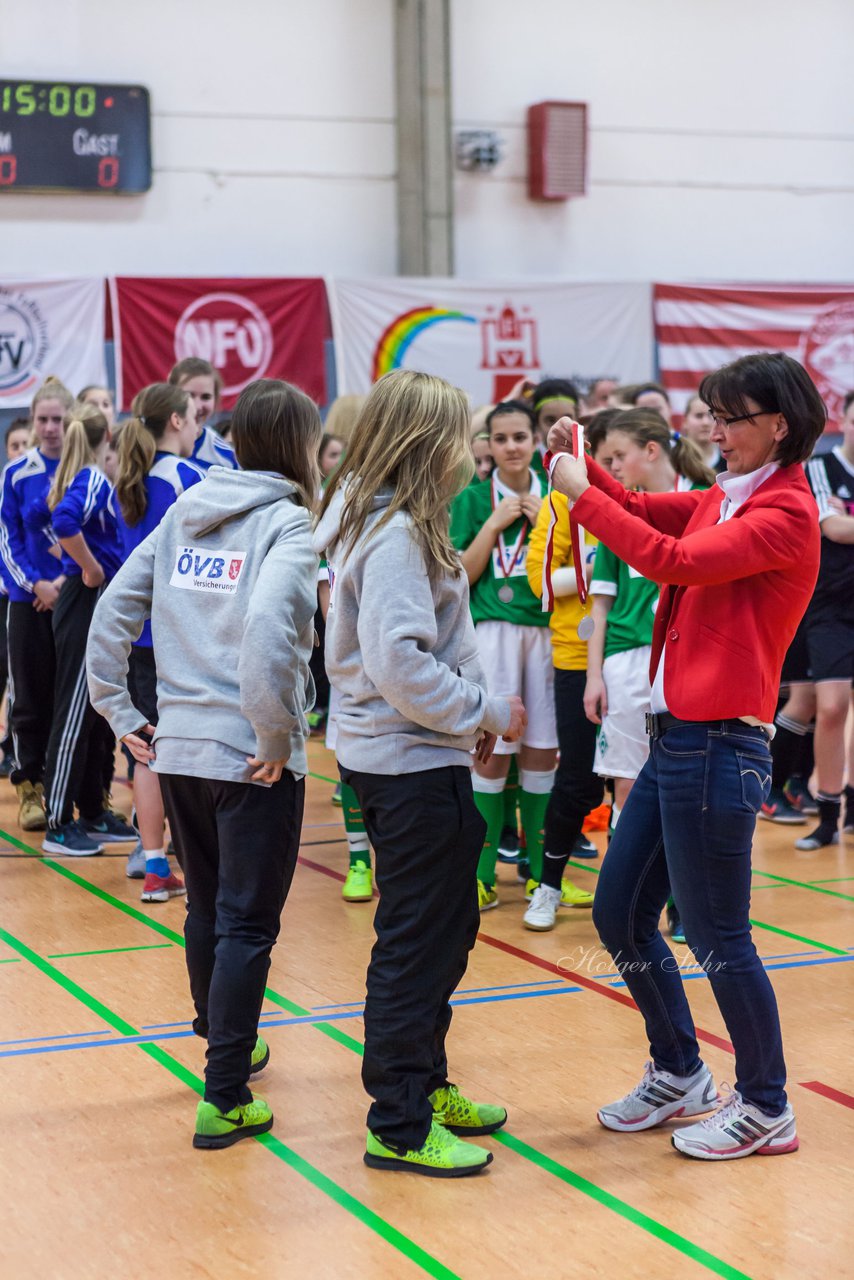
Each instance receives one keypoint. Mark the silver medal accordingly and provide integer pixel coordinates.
(505, 594)
(586, 627)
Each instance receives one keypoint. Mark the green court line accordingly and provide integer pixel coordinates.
(14, 960)
(799, 937)
(328, 1029)
(835, 880)
(108, 951)
(803, 884)
(298, 1163)
(590, 1189)
(332, 781)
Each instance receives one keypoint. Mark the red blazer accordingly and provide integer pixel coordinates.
(733, 593)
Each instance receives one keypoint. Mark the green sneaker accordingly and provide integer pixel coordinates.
(487, 898)
(443, 1155)
(462, 1116)
(260, 1057)
(336, 796)
(359, 885)
(570, 894)
(215, 1128)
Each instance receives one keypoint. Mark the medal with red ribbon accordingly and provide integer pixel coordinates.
(586, 626)
(505, 591)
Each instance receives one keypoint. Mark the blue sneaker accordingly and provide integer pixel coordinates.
(70, 839)
(109, 828)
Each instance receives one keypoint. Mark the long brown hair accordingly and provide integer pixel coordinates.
(83, 434)
(195, 367)
(412, 436)
(646, 426)
(152, 409)
(276, 427)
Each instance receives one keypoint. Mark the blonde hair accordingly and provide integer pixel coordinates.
(83, 434)
(646, 426)
(342, 416)
(53, 389)
(152, 409)
(413, 436)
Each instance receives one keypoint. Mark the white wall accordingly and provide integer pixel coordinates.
(722, 143)
(721, 147)
(273, 137)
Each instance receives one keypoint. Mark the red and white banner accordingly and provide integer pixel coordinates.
(50, 327)
(246, 328)
(698, 328)
(484, 337)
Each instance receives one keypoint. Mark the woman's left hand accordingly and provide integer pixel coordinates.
(569, 477)
(266, 770)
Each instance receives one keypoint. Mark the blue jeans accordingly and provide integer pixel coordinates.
(687, 828)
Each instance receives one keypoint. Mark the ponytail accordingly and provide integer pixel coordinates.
(689, 462)
(153, 409)
(53, 389)
(84, 433)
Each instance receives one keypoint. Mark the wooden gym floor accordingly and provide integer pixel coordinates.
(99, 1073)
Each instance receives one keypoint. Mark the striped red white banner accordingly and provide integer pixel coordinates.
(698, 328)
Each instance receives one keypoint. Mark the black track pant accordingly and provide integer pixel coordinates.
(31, 680)
(427, 837)
(239, 845)
(79, 738)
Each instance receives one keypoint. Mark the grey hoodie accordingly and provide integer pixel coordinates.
(401, 652)
(229, 581)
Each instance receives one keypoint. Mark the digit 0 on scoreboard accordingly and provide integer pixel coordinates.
(65, 136)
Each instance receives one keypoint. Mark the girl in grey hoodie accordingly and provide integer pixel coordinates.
(228, 581)
(401, 651)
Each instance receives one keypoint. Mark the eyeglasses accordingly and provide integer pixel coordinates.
(745, 417)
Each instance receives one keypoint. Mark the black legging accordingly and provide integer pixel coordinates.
(577, 789)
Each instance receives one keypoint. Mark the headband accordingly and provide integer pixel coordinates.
(552, 400)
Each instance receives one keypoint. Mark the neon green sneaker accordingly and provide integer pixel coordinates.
(215, 1128)
(570, 894)
(487, 898)
(443, 1155)
(359, 885)
(336, 795)
(260, 1057)
(462, 1116)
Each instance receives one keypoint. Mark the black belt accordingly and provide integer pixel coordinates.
(656, 725)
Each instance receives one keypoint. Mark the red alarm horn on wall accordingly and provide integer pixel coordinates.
(557, 150)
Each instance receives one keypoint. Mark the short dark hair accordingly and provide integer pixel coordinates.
(641, 388)
(555, 389)
(778, 384)
(17, 424)
(506, 407)
(848, 401)
(276, 427)
(599, 425)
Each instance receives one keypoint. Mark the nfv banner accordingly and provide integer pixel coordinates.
(246, 328)
(483, 338)
(700, 327)
(50, 327)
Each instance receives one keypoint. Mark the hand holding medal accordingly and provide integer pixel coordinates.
(567, 468)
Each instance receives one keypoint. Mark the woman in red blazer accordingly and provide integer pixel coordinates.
(738, 564)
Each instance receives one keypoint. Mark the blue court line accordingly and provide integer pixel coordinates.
(790, 964)
(464, 991)
(69, 1035)
(275, 1022)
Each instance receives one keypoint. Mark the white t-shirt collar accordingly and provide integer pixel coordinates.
(737, 489)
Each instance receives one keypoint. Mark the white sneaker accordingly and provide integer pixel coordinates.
(543, 909)
(660, 1096)
(135, 868)
(738, 1129)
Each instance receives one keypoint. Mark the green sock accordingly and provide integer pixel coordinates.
(511, 797)
(491, 808)
(533, 810)
(354, 825)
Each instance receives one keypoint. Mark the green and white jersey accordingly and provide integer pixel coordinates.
(501, 593)
(635, 601)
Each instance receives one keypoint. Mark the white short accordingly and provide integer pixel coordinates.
(622, 745)
(519, 660)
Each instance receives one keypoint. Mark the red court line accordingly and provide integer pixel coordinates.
(326, 871)
(835, 1095)
(571, 975)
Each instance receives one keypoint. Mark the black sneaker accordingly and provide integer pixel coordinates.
(508, 845)
(584, 848)
(800, 797)
(109, 828)
(777, 809)
(71, 840)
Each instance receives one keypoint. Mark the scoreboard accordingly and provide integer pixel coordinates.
(74, 137)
